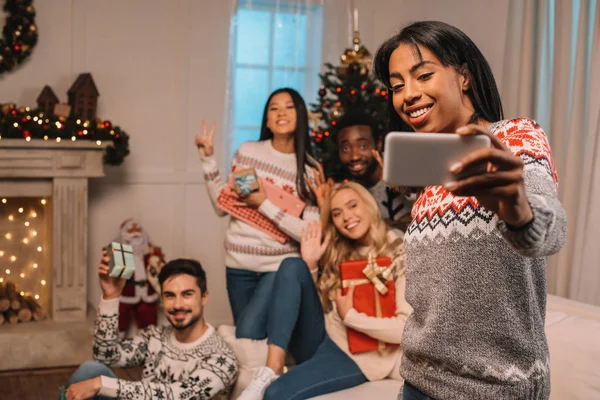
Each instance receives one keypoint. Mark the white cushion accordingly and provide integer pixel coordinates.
(387, 389)
(573, 332)
(251, 354)
(572, 329)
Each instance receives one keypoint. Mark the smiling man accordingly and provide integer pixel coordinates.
(187, 360)
(358, 139)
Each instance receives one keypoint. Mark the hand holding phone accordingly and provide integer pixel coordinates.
(424, 159)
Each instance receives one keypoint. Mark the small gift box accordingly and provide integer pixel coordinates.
(122, 264)
(245, 181)
(374, 295)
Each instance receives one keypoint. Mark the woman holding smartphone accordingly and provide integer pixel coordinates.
(477, 248)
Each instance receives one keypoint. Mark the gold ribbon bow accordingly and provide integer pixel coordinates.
(372, 272)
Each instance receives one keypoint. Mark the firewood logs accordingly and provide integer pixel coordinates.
(15, 308)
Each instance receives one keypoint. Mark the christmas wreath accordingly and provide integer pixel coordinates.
(19, 35)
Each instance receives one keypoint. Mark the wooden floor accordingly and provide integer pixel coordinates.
(43, 384)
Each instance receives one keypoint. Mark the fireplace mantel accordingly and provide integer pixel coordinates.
(59, 171)
(51, 159)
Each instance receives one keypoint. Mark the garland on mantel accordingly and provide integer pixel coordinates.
(28, 124)
(19, 35)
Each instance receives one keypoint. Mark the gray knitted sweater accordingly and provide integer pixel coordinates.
(478, 289)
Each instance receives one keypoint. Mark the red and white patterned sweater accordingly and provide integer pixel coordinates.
(247, 247)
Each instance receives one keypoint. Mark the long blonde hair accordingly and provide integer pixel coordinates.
(343, 249)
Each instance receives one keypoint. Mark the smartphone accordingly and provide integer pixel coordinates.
(424, 159)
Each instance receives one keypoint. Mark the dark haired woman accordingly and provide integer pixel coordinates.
(476, 249)
(281, 156)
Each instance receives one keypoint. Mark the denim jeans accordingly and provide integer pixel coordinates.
(296, 323)
(90, 370)
(412, 393)
(329, 370)
(249, 295)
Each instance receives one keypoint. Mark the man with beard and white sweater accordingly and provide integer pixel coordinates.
(186, 360)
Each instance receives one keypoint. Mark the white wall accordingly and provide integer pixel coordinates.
(484, 21)
(160, 67)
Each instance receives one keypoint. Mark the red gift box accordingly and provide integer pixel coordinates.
(374, 295)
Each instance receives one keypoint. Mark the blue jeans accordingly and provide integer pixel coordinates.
(412, 393)
(249, 295)
(296, 323)
(90, 370)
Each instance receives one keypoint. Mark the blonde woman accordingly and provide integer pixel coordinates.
(308, 316)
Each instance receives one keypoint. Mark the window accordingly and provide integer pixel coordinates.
(274, 44)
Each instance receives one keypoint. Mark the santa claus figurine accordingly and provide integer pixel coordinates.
(139, 298)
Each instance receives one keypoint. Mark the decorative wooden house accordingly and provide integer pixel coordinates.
(47, 100)
(83, 97)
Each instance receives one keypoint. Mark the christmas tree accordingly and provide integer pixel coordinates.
(344, 88)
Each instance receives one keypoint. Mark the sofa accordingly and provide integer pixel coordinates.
(572, 329)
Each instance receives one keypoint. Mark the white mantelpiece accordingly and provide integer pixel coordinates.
(59, 171)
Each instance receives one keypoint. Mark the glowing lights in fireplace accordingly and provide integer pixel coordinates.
(20, 235)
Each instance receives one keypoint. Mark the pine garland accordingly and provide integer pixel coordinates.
(29, 124)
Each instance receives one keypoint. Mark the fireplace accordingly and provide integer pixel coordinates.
(43, 247)
(25, 267)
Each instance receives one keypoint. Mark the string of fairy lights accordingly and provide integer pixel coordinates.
(21, 245)
(39, 119)
(35, 125)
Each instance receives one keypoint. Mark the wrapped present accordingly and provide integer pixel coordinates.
(227, 202)
(374, 295)
(286, 201)
(245, 181)
(122, 264)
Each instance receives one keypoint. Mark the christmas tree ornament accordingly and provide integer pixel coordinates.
(314, 119)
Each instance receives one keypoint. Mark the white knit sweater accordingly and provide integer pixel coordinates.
(247, 247)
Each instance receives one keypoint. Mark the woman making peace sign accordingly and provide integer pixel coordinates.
(282, 157)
